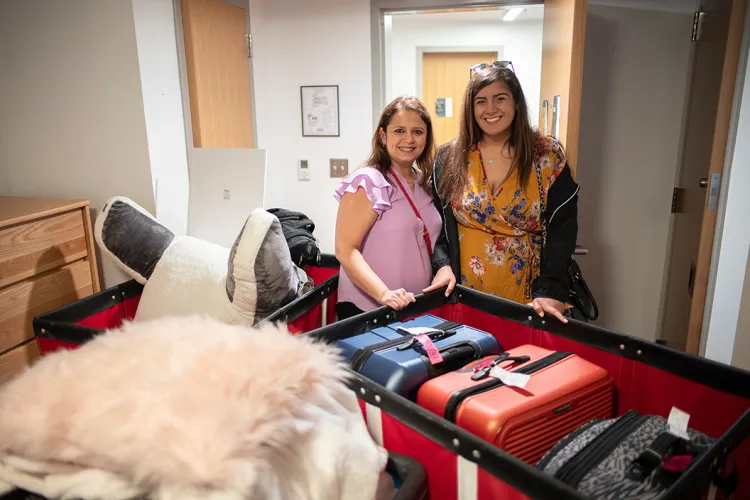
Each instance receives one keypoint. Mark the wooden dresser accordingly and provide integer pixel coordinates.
(47, 260)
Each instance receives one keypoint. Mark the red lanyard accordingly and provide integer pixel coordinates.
(425, 233)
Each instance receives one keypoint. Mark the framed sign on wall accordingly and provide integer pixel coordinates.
(320, 110)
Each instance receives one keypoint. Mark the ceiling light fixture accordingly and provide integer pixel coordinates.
(512, 13)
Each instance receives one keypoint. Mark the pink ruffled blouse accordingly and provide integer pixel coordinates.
(394, 247)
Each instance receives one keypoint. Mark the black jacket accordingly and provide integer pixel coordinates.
(561, 218)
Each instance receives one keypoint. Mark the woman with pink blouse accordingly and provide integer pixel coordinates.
(387, 224)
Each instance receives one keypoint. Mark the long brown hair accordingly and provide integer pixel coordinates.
(522, 139)
(379, 156)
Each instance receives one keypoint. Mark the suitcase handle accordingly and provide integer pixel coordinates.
(454, 357)
(475, 348)
(434, 336)
(481, 372)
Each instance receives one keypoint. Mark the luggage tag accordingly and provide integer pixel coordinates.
(423, 335)
(432, 352)
(483, 369)
(417, 330)
(677, 423)
(511, 379)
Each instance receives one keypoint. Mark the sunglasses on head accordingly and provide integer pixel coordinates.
(497, 64)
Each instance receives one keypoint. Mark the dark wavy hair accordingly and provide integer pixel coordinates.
(379, 156)
(523, 137)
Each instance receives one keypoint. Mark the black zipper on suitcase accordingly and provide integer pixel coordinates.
(447, 325)
(599, 448)
(362, 354)
(459, 397)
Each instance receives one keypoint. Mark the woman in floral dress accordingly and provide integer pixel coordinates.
(491, 183)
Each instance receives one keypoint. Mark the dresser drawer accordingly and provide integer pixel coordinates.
(32, 247)
(21, 302)
(12, 362)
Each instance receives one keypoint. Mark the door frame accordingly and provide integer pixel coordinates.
(182, 67)
(498, 50)
(378, 9)
(661, 320)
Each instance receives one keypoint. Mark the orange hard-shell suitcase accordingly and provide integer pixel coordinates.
(562, 392)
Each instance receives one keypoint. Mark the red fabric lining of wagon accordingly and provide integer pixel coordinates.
(111, 317)
(312, 318)
(48, 346)
(114, 316)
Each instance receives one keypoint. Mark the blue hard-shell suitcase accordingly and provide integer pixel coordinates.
(393, 359)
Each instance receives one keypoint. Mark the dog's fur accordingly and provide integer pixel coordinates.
(192, 407)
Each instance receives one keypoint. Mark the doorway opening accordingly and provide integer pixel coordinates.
(658, 86)
(550, 73)
(428, 53)
(716, 39)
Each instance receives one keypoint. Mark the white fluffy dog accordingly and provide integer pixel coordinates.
(185, 408)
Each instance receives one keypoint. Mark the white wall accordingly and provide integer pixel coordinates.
(628, 146)
(299, 42)
(162, 102)
(521, 43)
(212, 171)
(728, 316)
(71, 110)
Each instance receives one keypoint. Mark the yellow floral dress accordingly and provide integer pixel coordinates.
(500, 237)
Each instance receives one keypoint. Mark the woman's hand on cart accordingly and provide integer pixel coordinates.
(552, 306)
(444, 277)
(396, 299)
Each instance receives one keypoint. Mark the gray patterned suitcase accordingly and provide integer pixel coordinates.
(632, 457)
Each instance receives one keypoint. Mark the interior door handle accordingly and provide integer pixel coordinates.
(704, 182)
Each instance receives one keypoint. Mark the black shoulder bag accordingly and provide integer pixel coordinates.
(584, 304)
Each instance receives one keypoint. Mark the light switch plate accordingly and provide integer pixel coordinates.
(339, 167)
(303, 171)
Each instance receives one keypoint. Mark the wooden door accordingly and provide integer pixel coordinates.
(218, 73)
(445, 76)
(564, 32)
(716, 55)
